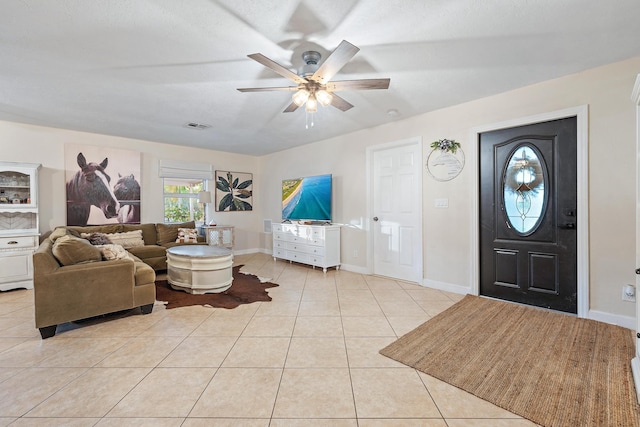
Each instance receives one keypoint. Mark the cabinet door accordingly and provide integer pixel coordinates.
(16, 267)
(18, 187)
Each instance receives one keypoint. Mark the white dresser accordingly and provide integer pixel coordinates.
(316, 245)
(19, 225)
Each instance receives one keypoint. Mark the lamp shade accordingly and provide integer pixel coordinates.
(204, 197)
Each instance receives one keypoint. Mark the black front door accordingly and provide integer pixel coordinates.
(528, 214)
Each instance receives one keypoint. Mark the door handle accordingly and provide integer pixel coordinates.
(568, 226)
(375, 218)
(637, 270)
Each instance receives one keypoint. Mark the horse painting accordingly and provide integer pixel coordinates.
(127, 191)
(90, 187)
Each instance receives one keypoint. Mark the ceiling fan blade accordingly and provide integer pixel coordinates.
(363, 84)
(291, 108)
(340, 103)
(284, 72)
(268, 89)
(334, 62)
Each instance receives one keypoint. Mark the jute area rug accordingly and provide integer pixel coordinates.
(245, 289)
(553, 369)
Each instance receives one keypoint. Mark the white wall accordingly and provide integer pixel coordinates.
(36, 144)
(447, 232)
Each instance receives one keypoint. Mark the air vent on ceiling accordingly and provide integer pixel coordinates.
(194, 125)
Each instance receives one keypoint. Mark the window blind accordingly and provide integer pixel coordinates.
(181, 169)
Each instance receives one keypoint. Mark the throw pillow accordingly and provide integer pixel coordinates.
(69, 250)
(96, 238)
(187, 235)
(57, 233)
(168, 233)
(128, 239)
(111, 251)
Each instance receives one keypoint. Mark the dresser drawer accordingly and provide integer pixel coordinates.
(19, 242)
(280, 237)
(317, 233)
(315, 250)
(298, 257)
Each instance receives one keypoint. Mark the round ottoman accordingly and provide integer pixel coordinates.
(199, 269)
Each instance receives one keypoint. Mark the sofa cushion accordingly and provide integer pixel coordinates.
(128, 240)
(148, 251)
(143, 273)
(187, 235)
(69, 250)
(168, 233)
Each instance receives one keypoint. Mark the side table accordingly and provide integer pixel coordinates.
(220, 235)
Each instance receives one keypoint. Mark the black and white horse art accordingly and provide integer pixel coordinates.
(127, 191)
(90, 187)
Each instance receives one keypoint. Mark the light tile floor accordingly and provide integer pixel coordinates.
(307, 358)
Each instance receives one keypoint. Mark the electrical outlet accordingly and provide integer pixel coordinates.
(629, 293)
(355, 253)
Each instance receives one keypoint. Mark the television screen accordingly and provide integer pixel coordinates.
(307, 198)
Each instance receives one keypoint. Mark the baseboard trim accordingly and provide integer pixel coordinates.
(614, 319)
(448, 287)
(354, 268)
(246, 251)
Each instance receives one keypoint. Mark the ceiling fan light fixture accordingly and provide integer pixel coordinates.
(324, 97)
(312, 105)
(300, 97)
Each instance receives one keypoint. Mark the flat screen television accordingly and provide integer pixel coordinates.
(307, 199)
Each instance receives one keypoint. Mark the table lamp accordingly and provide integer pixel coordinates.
(204, 197)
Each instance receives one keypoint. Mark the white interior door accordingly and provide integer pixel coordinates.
(396, 209)
(635, 363)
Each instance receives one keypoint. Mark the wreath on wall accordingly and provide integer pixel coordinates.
(449, 145)
(446, 159)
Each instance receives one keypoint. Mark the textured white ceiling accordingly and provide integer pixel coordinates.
(144, 68)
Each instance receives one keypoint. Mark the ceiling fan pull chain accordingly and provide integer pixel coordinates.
(309, 120)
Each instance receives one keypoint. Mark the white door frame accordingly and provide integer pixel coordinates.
(368, 221)
(635, 362)
(582, 115)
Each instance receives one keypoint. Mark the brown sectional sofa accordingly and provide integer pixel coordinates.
(66, 290)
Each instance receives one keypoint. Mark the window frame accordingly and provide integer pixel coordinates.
(194, 185)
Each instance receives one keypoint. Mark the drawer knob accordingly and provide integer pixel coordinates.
(13, 242)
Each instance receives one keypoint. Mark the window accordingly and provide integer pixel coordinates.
(524, 196)
(182, 180)
(181, 199)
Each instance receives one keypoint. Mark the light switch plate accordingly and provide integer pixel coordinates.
(441, 203)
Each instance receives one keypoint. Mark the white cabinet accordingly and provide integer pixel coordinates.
(220, 235)
(316, 245)
(19, 223)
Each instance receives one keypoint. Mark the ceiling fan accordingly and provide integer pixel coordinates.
(313, 79)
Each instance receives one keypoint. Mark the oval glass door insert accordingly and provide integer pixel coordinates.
(524, 196)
